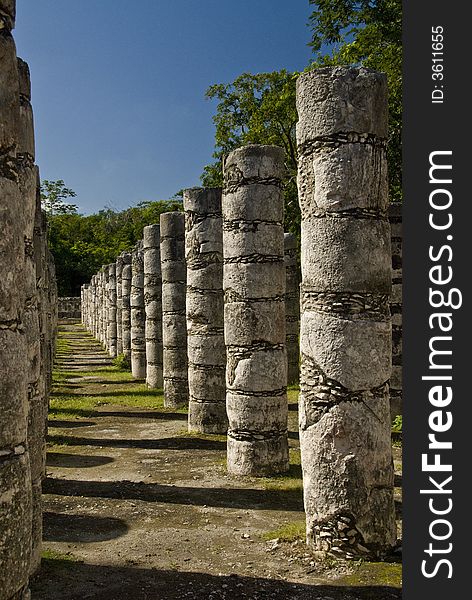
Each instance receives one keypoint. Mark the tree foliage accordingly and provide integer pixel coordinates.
(367, 32)
(261, 108)
(82, 244)
(53, 196)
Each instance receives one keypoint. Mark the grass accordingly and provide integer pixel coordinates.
(52, 555)
(290, 532)
(111, 385)
(373, 574)
(203, 436)
(289, 482)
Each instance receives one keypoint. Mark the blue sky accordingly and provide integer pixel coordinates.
(118, 86)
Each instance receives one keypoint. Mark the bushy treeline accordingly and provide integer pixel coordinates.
(82, 244)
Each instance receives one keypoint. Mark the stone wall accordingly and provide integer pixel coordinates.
(28, 321)
(69, 307)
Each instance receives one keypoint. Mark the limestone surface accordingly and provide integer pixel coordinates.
(174, 327)
(345, 331)
(254, 311)
(138, 315)
(292, 307)
(126, 276)
(205, 310)
(153, 305)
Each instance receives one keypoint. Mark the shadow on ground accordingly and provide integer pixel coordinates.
(81, 528)
(283, 500)
(174, 443)
(76, 461)
(76, 581)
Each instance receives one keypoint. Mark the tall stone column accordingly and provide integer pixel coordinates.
(111, 297)
(101, 306)
(205, 312)
(396, 393)
(292, 307)
(15, 470)
(254, 288)
(153, 305)
(37, 414)
(174, 328)
(106, 307)
(119, 306)
(93, 308)
(345, 337)
(126, 276)
(138, 315)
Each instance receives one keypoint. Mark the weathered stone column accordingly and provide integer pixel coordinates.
(93, 308)
(138, 316)
(396, 388)
(126, 276)
(254, 288)
(15, 471)
(101, 307)
(205, 312)
(174, 328)
(119, 305)
(345, 337)
(111, 332)
(37, 414)
(153, 305)
(292, 307)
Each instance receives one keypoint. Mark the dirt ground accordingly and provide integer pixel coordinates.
(136, 508)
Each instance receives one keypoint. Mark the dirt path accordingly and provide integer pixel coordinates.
(135, 508)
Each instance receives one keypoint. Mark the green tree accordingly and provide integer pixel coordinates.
(257, 109)
(53, 196)
(367, 32)
(82, 244)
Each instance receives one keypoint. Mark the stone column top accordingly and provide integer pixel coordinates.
(172, 224)
(8, 12)
(333, 100)
(203, 200)
(253, 163)
(151, 235)
(24, 78)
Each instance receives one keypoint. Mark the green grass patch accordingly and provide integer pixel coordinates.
(292, 394)
(65, 406)
(52, 555)
(372, 574)
(121, 363)
(289, 482)
(290, 532)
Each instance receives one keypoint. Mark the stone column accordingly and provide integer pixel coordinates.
(106, 307)
(138, 316)
(292, 307)
(254, 288)
(205, 313)
(111, 332)
(15, 471)
(93, 307)
(37, 414)
(153, 305)
(126, 307)
(345, 335)
(119, 305)
(396, 388)
(174, 328)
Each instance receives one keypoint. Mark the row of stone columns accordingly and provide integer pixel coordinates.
(28, 318)
(163, 303)
(229, 276)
